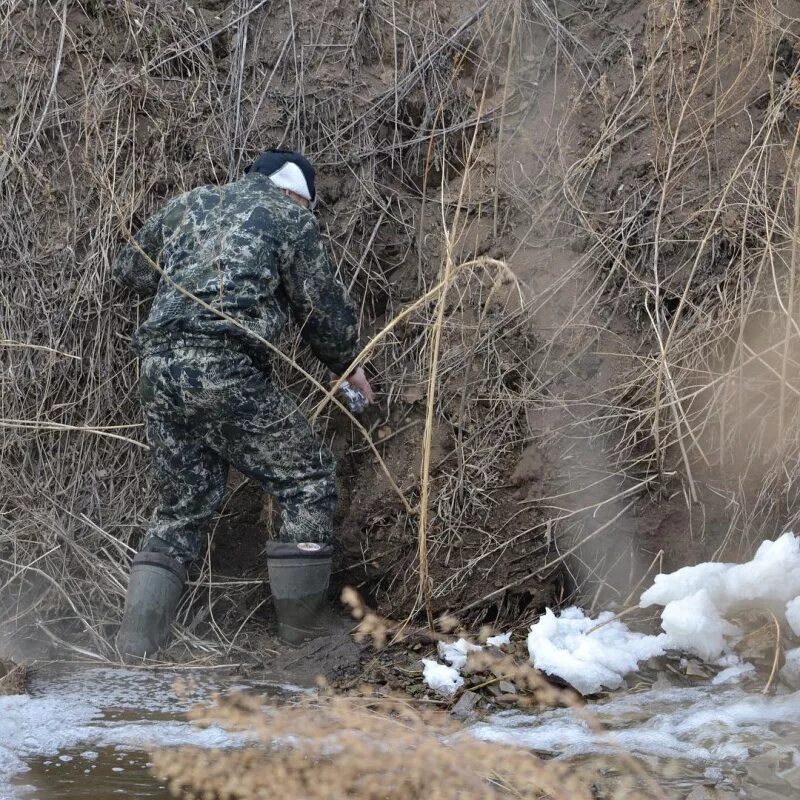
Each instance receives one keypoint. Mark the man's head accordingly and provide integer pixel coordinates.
(289, 171)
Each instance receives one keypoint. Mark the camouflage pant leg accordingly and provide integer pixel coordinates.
(210, 408)
(190, 477)
(265, 436)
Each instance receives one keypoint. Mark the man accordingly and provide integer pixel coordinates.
(251, 250)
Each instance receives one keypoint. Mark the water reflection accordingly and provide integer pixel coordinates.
(104, 774)
(86, 732)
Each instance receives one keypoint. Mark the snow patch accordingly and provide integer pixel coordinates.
(499, 640)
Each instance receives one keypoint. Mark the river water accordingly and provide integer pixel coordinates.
(86, 733)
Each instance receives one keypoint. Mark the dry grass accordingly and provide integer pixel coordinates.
(111, 108)
(333, 747)
(13, 678)
(676, 151)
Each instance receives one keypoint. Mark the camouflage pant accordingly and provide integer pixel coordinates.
(208, 408)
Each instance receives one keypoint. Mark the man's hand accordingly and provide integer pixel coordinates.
(358, 380)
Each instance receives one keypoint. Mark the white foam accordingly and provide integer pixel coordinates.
(698, 603)
(694, 624)
(698, 600)
(38, 726)
(591, 654)
(442, 679)
(78, 710)
(696, 724)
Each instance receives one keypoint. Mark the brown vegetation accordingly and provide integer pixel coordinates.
(373, 746)
(123, 105)
(13, 678)
(541, 408)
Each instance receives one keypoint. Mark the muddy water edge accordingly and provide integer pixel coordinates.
(87, 732)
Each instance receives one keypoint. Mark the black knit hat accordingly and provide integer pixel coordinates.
(287, 169)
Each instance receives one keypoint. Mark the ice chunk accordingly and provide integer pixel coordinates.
(499, 640)
(456, 653)
(694, 624)
(567, 646)
(442, 679)
(793, 615)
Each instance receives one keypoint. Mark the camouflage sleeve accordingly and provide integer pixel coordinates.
(131, 268)
(320, 302)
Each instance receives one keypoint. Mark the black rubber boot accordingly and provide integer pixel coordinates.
(154, 589)
(298, 577)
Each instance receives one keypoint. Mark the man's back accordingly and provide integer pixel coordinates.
(249, 252)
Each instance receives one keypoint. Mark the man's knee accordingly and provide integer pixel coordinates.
(190, 489)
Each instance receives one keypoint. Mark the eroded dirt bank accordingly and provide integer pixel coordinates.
(603, 194)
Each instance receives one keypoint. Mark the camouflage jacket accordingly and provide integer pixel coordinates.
(249, 251)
